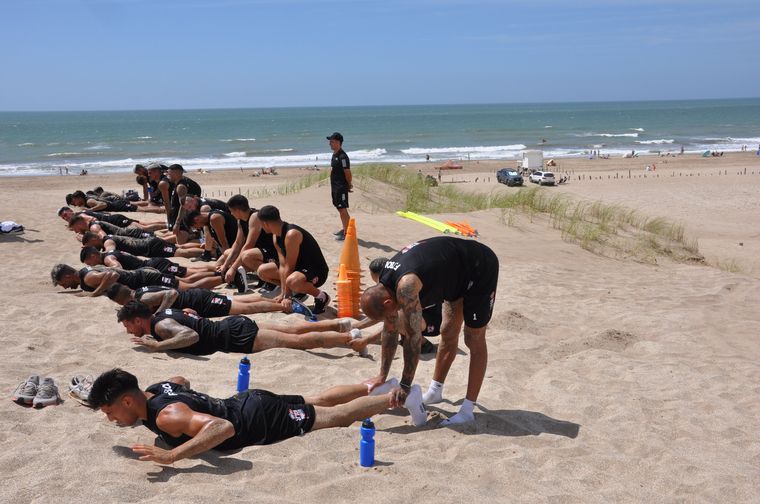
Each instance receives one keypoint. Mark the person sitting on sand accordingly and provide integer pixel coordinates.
(192, 423)
(177, 330)
(301, 267)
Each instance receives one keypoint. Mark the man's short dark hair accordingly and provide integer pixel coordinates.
(190, 217)
(110, 386)
(79, 194)
(116, 290)
(176, 166)
(69, 200)
(59, 271)
(269, 213)
(239, 202)
(132, 310)
(86, 252)
(87, 236)
(75, 219)
(138, 168)
(140, 179)
(64, 208)
(376, 266)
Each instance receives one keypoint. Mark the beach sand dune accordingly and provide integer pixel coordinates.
(608, 380)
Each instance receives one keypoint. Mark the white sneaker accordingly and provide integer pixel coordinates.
(80, 386)
(415, 406)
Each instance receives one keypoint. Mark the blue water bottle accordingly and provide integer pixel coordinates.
(367, 444)
(244, 374)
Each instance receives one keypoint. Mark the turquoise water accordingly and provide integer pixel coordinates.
(38, 143)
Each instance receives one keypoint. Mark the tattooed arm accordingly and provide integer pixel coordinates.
(408, 298)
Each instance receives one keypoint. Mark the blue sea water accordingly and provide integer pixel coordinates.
(40, 143)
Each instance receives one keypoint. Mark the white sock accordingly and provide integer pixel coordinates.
(434, 394)
(465, 414)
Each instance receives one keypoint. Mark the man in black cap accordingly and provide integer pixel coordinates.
(340, 181)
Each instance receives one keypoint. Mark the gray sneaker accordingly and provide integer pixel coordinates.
(47, 394)
(80, 387)
(26, 390)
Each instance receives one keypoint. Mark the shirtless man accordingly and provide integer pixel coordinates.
(192, 423)
(176, 330)
(444, 273)
(302, 267)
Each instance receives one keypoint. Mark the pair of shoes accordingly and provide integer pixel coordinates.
(205, 257)
(80, 386)
(340, 236)
(241, 281)
(320, 303)
(39, 395)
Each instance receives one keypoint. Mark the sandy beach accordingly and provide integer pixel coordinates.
(608, 381)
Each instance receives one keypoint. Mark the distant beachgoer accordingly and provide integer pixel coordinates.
(340, 181)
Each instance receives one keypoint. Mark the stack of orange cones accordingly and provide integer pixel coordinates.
(349, 257)
(345, 297)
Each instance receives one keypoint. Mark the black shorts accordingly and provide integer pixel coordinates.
(164, 265)
(161, 248)
(433, 318)
(316, 275)
(340, 197)
(219, 306)
(245, 331)
(269, 254)
(279, 416)
(168, 280)
(480, 297)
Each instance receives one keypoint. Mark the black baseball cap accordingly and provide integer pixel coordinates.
(336, 136)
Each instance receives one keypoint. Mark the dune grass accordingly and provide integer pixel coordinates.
(601, 228)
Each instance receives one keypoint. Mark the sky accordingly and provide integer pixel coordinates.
(174, 54)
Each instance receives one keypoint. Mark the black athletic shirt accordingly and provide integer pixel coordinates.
(233, 334)
(132, 279)
(205, 302)
(130, 262)
(338, 163)
(193, 189)
(443, 264)
(310, 255)
(115, 219)
(252, 413)
(214, 204)
(230, 227)
(113, 229)
(127, 260)
(116, 204)
(146, 247)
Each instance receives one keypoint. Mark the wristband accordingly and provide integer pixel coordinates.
(405, 386)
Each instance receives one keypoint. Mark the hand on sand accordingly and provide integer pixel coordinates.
(154, 453)
(229, 276)
(458, 419)
(145, 341)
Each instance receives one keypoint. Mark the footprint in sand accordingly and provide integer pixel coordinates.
(612, 340)
(513, 321)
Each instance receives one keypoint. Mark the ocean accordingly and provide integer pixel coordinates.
(42, 143)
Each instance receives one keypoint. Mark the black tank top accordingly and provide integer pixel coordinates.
(310, 255)
(112, 229)
(132, 279)
(134, 246)
(264, 241)
(115, 219)
(214, 204)
(212, 336)
(127, 260)
(247, 413)
(230, 227)
(203, 301)
(193, 189)
(116, 204)
(443, 264)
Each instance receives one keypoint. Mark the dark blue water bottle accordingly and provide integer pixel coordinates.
(244, 374)
(367, 444)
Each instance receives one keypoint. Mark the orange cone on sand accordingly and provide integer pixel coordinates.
(349, 258)
(344, 298)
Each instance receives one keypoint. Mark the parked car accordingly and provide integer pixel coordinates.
(542, 178)
(509, 176)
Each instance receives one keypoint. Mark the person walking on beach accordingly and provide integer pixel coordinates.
(436, 283)
(191, 423)
(340, 181)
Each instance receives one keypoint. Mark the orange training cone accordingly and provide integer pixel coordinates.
(345, 304)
